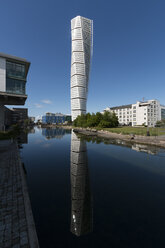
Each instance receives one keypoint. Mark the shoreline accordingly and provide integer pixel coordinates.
(147, 140)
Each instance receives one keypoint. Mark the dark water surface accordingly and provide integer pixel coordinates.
(95, 193)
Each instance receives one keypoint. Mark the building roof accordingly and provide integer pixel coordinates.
(122, 106)
(54, 114)
(7, 56)
(16, 59)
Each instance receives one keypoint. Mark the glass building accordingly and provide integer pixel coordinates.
(82, 45)
(13, 77)
(58, 118)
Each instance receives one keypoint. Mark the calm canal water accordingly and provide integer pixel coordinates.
(93, 192)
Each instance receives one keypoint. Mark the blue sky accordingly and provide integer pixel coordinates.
(128, 56)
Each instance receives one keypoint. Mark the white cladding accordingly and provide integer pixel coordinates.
(147, 113)
(2, 74)
(82, 35)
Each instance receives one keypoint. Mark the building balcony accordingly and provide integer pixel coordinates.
(8, 98)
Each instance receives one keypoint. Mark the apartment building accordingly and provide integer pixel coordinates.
(147, 113)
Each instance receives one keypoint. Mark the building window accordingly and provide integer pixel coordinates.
(162, 114)
(15, 86)
(15, 70)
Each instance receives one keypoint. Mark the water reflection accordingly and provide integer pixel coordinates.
(150, 149)
(57, 133)
(81, 204)
(144, 148)
(22, 138)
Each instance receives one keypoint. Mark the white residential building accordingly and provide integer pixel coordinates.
(147, 113)
(82, 43)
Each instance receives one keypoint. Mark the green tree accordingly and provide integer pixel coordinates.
(107, 119)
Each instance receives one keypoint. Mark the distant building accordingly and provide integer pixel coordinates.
(14, 115)
(147, 113)
(31, 118)
(19, 114)
(57, 118)
(13, 75)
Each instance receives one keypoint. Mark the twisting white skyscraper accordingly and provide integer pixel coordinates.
(82, 45)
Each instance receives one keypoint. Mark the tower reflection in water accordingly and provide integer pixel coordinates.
(81, 209)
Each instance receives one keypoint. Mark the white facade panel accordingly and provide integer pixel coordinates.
(76, 22)
(2, 74)
(77, 68)
(78, 104)
(77, 46)
(76, 112)
(76, 92)
(76, 34)
(81, 32)
(78, 57)
(78, 80)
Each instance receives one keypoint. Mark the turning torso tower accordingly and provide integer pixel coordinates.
(82, 45)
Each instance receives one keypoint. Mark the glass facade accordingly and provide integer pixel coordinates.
(15, 86)
(53, 119)
(50, 118)
(15, 70)
(162, 114)
(15, 78)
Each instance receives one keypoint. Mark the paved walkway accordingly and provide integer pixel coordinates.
(17, 229)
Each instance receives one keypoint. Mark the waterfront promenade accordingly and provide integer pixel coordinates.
(17, 228)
